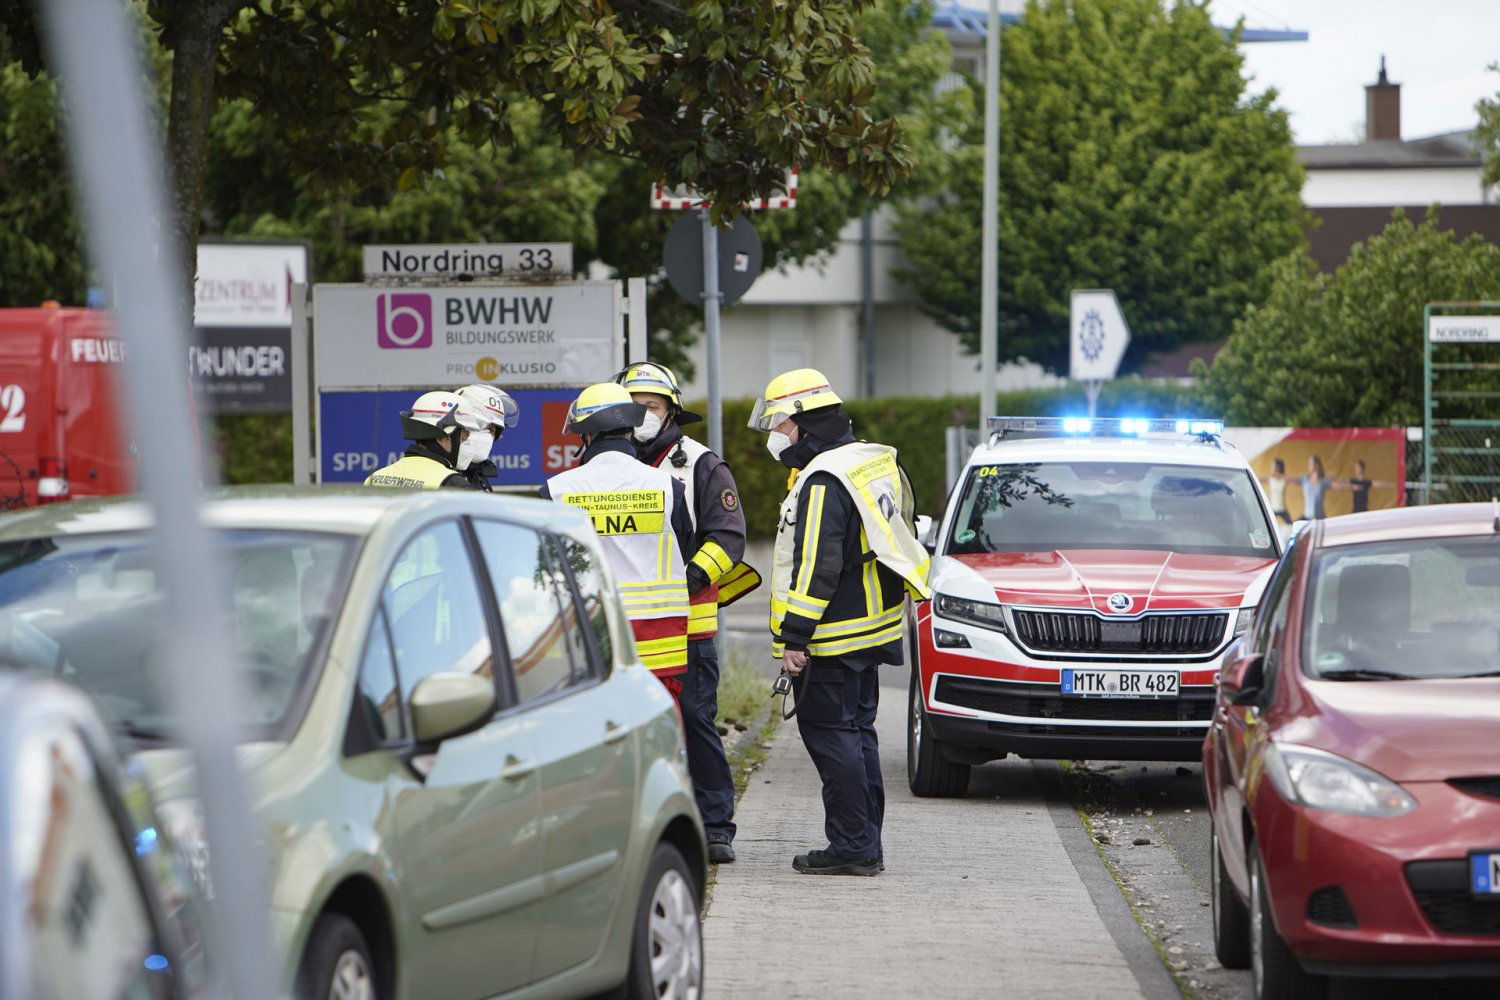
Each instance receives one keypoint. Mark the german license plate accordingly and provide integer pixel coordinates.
(1120, 683)
(1484, 874)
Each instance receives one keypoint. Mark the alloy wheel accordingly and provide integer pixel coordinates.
(676, 940)
(351, 979)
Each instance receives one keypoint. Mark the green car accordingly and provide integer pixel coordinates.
(465, 783)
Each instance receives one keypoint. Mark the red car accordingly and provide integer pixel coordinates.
(1353, 762)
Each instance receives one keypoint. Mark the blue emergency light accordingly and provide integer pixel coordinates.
(1105, 426)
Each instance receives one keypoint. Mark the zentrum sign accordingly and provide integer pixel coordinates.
(504, 334)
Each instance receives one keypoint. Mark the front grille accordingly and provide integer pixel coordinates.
(1488, 788)
(1330, 907)
(1045, 702)
(1441, 889)
(1083, 632)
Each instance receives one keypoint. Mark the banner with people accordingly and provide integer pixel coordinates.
(1316, 472)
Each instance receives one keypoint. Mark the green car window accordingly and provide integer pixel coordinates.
(379, 689)
(436, 616)
(530, 590)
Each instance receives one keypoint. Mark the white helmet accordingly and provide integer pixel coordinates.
(497, 405)
(440, 414)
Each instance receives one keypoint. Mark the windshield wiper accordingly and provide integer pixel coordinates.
(1482, 673)
(1360, 674)
(145, 734)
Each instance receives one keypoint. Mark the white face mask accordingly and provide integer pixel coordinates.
(776, 443)
(650, 427)
(475, 448)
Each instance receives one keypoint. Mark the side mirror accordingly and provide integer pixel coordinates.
(449, 704)
(926, 530)
(1243, 678)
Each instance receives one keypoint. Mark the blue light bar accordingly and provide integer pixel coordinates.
(1105, 426)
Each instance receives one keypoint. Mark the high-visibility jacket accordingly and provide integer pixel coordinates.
(417, 471)
(631, 505)
(713, 503)
(816, 603)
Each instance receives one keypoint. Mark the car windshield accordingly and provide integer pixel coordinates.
(84, 608)
(1037, 507)
(1418, 608)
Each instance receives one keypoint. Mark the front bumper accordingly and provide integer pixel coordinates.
(1404, 879)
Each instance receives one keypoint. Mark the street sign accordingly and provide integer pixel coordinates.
(517, 334)
(740, 258)
(360, 432)
(468, 260)
(240, 360)
(1098, 335)
(1464, 329)
(679, 199)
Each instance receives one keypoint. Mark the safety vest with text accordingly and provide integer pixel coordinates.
(872, 477)
(412, 472)
(631, 505)
(728, 580)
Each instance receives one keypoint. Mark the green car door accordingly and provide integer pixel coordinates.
(467, 836)
(580, 731)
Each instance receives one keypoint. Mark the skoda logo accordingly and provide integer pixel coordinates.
(1118, 603)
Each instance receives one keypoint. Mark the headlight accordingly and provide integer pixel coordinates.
(1242, 621)
(979, 613)
(182, 819)
(1321, 780)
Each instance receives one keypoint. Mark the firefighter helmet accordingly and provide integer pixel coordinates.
(648, 376)
(496, 404)
(440, 414)
(797, 391)
(605, 406)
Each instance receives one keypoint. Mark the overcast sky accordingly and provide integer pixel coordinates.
(1438, 50)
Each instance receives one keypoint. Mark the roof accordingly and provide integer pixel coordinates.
(959, 19)
(1437, 521)
(1178, 362)
(1446, 149)
(1162, 451)
(344, 510)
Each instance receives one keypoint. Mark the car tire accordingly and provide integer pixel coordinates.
(336, 965)
(1231, 917)
(929, 772)
(1275, 973)
(666, 952)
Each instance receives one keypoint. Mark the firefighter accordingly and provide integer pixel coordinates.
(845, 557)
(716, 575)
(502, 412)
(641, 517)
(437, 425)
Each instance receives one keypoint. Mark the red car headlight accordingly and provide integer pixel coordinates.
(1322, 780)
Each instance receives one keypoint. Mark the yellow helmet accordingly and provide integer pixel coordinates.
(604, 406)
(797, 391)
(648, 376)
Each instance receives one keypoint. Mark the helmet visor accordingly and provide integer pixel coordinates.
(770, 412)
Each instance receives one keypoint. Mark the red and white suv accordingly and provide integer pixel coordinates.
(1087, 577)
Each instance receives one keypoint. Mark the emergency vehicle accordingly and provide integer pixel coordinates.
(60, 436)
(1087, 576)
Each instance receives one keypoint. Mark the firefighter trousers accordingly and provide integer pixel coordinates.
(836, 707)
(713, 785)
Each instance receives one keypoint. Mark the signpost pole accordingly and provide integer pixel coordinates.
(989, 294)
(1091, 388)
(711, 298)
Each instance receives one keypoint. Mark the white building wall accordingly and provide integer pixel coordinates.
(1337, 188)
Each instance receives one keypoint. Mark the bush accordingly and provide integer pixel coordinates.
(253, 447)
(914, 426)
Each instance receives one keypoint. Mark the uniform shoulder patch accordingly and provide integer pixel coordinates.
(729, 499)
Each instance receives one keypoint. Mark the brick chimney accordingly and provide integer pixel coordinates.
(1383, 108)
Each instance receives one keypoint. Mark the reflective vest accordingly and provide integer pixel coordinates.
(873, 479)
(728, 581)
(631, 506)
(412, 472)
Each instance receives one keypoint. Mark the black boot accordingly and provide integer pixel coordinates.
(829, 863)
(720, 850)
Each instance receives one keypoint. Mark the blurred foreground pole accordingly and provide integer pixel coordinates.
(119, 174)
(989, 278)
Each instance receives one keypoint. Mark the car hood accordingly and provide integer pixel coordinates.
(1407, 730)
(169, 769)
(1085, 578)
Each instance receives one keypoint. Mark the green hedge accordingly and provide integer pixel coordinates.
(253, 447)
(914, 426)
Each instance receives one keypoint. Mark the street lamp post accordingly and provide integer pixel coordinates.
(990, 259)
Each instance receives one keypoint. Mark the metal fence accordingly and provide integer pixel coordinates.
(1460, 453)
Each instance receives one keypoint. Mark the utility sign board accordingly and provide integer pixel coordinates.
(1098, 335)
(557, 334)
(469, 260)
(240, 360)
(1464, 329)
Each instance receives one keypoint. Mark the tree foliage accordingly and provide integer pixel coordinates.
(1345, 350)
(1487, 133)
(1131, 158)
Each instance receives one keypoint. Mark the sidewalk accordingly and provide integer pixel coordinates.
(980, 898)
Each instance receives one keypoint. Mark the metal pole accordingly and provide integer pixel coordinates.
(990, 267)
(300, 365)
(711, 300)
(1427, 404)
(119, 174)
(867, 282)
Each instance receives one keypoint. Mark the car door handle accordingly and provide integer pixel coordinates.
(515, 768)
(614, 732)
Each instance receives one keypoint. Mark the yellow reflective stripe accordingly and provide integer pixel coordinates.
(676, 660)
(810, 531)
(700, 613)
(713, 560)
(841, 646)
(830, 630)
(651, 647)
(806, 606)
(740, 581)
(870, 576)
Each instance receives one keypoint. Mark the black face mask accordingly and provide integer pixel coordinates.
(802, 451)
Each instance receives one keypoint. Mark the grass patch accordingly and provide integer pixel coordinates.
(745, 708)
(743, 692)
